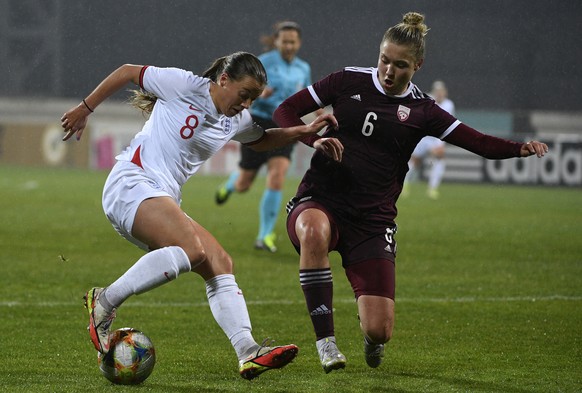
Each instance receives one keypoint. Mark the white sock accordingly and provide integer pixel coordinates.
(436, 174)
(150, 271)
(229, 309)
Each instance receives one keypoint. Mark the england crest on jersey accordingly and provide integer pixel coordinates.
(226, 125)
(403, 112)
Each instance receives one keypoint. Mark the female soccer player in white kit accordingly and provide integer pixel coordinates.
(192, 117)
(431, 146)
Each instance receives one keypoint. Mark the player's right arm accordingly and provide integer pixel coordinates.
(75, 119)
(289, 114)
(277, 137)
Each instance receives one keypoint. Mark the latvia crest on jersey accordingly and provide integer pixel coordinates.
(403, 112)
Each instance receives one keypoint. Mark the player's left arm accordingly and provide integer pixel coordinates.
(492, 147)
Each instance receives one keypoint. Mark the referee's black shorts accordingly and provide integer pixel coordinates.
(252, 160)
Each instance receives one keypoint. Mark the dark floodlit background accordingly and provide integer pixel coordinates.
(495, 54)
(512, 69)
(489, 290)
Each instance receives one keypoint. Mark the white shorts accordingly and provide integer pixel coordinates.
(127, 186)
(425, 146)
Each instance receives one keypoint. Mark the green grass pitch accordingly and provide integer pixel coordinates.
(489, 293)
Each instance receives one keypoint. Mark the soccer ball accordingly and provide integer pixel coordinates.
(131, 357)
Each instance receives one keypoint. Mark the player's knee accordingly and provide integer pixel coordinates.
(197, 254)
(275, 179)
(276, 183)
(223, 262)
(380, 334)
(378, 330)
(245, 180)
(313, 235)
(243, 186)
(216, 264)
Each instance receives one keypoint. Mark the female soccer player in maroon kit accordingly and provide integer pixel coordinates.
(349, 205)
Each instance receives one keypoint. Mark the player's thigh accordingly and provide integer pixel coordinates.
(160, 223)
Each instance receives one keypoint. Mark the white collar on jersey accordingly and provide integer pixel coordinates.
(378, 85)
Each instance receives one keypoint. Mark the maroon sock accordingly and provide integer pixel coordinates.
(317, 288)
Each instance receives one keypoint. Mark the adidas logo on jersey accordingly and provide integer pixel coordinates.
(321, 310)
(356, 97)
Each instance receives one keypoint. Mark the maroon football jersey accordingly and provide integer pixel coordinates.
(379, 133)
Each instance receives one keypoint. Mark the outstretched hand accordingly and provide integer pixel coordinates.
(533, 147)
(322, 121)
(74, 121)
(331, 147)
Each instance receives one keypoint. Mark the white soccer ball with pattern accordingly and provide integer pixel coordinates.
(131, 357)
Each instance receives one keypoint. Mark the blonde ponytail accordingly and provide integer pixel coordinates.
(143, 100)
(411, 32)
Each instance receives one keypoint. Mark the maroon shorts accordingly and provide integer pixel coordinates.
(375, 277)
(368, 258)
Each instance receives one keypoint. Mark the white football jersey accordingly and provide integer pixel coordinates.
(447, 105)
(184, 129)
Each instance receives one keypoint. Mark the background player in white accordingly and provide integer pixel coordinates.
(287, 75)
(192, 117)
(350, 206)
(431, 146)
